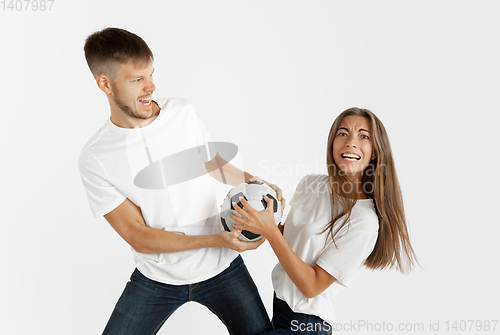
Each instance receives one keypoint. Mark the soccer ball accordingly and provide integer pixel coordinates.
(253, 193)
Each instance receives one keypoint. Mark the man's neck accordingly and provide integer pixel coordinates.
(122, 120)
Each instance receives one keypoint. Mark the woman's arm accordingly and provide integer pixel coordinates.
(311, 281)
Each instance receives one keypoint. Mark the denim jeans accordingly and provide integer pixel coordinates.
(145, 304)
(286, 321)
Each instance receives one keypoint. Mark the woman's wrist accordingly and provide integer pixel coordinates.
(273, 235)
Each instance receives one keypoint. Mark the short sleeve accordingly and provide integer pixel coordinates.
(299, 191)
(309, 185)
(103, 197)
(351, 251)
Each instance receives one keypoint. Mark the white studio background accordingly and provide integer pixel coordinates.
(269, 76)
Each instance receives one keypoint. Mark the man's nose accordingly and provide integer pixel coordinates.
(150, 87)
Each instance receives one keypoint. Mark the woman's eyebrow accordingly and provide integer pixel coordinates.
(358, 130)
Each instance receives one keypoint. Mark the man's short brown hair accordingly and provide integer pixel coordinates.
(107, 49)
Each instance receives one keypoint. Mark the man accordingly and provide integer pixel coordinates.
(167, 214)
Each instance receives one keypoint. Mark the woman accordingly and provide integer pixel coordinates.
(337, 223)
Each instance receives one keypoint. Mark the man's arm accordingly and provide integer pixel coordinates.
(128, 222)
(224, 172)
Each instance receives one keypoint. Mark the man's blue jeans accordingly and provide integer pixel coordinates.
(146, 304)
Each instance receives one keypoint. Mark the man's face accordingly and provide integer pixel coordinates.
(132, 90)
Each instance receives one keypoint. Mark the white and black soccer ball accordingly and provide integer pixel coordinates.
(254, 193)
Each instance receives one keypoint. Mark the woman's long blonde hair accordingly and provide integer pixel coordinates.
(380, 183)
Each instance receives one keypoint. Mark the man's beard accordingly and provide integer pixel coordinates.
(125, 108)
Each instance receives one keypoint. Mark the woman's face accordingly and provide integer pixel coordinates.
(352, 146)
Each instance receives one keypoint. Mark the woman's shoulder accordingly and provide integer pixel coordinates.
(365, 216)
(312, 186)
(313, 182)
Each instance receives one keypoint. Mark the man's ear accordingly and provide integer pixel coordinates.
(104, 83)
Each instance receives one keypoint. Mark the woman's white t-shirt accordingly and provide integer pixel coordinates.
(311, 208)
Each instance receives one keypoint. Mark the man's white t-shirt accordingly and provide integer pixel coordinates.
(161, 169)
(311, 208)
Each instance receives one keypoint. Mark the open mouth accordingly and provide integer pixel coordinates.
(146, 101)
(350, 157)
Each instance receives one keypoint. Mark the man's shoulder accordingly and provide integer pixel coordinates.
(96, 138)
(173, 103)
(87, 154)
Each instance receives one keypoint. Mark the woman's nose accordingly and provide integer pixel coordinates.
(352, 143)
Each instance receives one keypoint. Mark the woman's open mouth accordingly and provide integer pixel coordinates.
(350, 157)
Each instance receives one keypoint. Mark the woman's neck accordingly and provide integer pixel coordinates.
(355, 189)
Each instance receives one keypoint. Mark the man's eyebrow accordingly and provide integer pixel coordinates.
(139, 77)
